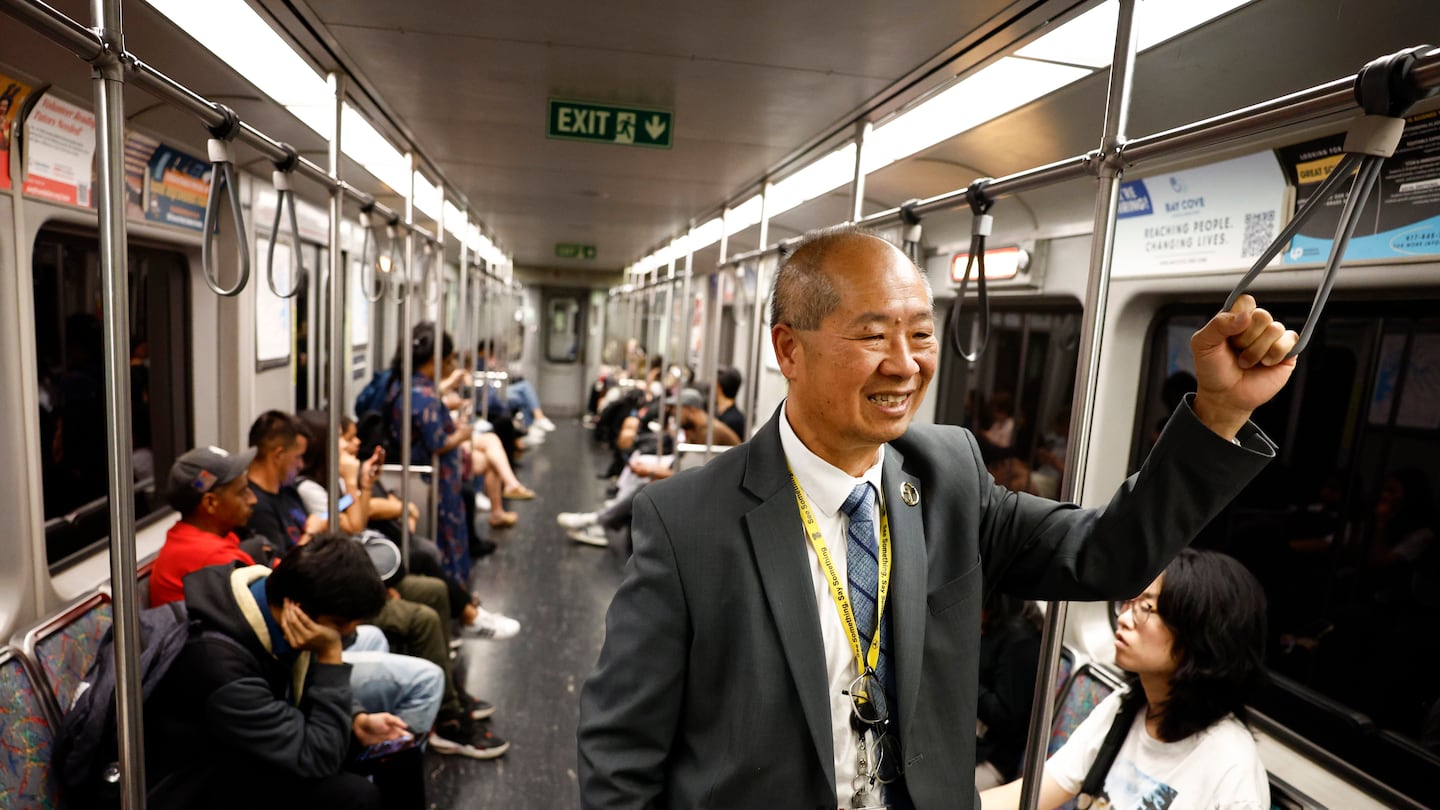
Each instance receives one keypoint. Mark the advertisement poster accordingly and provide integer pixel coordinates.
(272, 313)
(59, 152)
(1402, 217)
(12, 96)
(179, 188)
(1212, 218)
(138, 149)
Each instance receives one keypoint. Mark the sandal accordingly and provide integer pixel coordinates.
(502, 520)
(519, 492)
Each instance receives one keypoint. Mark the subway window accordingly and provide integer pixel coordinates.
(1016, 397)
(69, 343)
(1340, 529)
(562, 333)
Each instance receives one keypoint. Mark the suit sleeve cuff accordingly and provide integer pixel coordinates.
(1250, 438)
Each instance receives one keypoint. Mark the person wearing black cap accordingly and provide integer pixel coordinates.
(209, 489)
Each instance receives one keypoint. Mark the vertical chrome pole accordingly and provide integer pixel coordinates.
(1107, 197)
(857, 187)
(683, 318)
(758, 319)
(437, 268)
(462, 321)
(336, 352)
(109, 80)
(407, 365)
(712, 335)
(488, 331)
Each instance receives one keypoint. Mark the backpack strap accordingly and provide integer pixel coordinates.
(1109, 751)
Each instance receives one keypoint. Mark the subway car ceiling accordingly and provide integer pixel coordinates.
(755, 91)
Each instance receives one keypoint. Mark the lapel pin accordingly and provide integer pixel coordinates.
(909, 494)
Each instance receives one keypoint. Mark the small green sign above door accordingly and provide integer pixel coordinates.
(603, 123)
(566, 250)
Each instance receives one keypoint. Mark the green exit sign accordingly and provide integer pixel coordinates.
(566, 250)
(603, 123)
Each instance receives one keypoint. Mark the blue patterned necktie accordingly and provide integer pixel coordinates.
(863, 563)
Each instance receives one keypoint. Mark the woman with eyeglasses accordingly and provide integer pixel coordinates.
(1193, 644)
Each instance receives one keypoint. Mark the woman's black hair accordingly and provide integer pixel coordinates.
(422, 347)
(329, 576)
(316, 461)
(1215, 609)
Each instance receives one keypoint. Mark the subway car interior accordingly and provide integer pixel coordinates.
(220, 216)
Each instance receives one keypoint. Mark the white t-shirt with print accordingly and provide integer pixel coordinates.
(1216, 769)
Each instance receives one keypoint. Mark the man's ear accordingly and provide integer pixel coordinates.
(789, 349)
(208, 502)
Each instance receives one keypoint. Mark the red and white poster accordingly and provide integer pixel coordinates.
(60, 152)
(12, 96)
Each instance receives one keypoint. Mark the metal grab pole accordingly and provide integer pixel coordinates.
(487, 314)
(757, 320)
(462, 322)
(335, 353)
(407, 368)
(712, 336)
(684, 324)
(1087, 376)
(437, 267)
(109, 79)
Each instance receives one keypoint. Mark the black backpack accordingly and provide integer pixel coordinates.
(87, 754)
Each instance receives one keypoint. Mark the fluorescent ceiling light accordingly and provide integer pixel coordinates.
(1086, 40)
(823, 176)
(1163, 20)
(428, 197)
(707, 234)
(455, 220)
(743, 216)
(994, 91)
(1090, 38)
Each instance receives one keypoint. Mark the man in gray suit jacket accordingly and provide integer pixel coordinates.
(726, 676)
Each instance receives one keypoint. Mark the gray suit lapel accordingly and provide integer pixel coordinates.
(908, 588)
(778, 539)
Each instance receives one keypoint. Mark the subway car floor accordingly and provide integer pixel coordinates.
(558, 590)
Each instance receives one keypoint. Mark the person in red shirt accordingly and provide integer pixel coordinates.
(210, 490)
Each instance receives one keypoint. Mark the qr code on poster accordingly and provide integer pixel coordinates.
(1259, 230)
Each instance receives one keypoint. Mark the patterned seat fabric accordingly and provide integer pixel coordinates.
(26, 780)
(1086, 690)
(1062, 672)
(65, 655)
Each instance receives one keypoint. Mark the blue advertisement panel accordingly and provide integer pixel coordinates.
(179, 186)
(1400, 220)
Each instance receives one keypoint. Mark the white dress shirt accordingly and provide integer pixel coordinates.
(826, 487)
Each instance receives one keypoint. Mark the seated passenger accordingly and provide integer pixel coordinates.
(279, 515)
(1194, 643)
(1009, 658)
(727, 387)
(206, 488)
(209, 489)
(257, 710)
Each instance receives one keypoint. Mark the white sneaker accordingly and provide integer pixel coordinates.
(576, 520)
(483, 426)
(491, 625)
(535, 437)
(482, 502)
(592, 535)
(545, 424)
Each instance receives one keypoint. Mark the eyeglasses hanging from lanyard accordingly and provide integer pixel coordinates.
(1384, 90)
(980, 224)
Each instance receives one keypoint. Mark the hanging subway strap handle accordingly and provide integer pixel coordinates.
(1384, 90)
(431, 277)
(223, 172)
(980, 225)
(910, 233)
(281, 178)
(367, 263)
(402, 289)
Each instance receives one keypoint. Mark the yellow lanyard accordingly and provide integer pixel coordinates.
(837, 588)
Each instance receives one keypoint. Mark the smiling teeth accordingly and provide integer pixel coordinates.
(886, 399)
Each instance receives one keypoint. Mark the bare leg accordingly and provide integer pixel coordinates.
(495, 491)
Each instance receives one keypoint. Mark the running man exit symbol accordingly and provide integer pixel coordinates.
(604, 123)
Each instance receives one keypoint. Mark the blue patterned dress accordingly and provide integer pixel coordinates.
(432, 426)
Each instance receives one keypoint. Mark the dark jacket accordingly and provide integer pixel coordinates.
(710, 691)
(229, 708)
